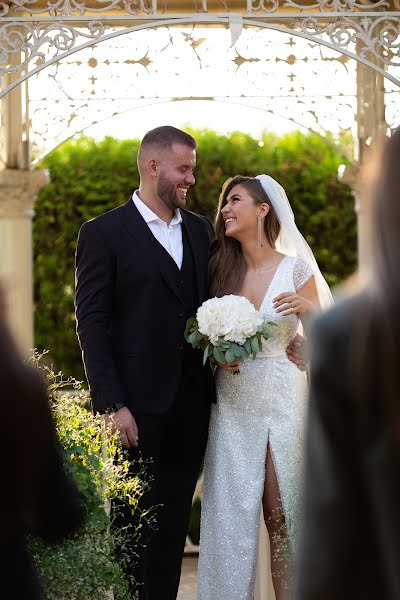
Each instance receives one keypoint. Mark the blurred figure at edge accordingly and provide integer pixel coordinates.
(350, 546)
(36, 495)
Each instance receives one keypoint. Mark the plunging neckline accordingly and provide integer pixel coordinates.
(270, 283)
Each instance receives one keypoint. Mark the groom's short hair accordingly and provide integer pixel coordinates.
(160, 139)
(164, 137)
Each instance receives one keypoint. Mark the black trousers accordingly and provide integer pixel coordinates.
(175, 443)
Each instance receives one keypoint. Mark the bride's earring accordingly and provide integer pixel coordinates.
(259, 232)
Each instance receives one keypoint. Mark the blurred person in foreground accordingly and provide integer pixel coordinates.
(36, 495)
(350, 547)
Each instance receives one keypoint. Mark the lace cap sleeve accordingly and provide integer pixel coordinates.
(302, 272)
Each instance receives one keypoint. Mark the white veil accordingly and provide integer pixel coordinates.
(290, 241)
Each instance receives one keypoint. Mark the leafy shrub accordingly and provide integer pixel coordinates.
(84, 566)
(89, 178)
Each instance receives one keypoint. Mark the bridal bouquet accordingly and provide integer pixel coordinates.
(227, 329)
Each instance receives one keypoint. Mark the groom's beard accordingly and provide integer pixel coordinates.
(167, 192)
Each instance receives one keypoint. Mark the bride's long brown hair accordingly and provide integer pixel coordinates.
(227, 266)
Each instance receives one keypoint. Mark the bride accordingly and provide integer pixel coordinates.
(253, 462)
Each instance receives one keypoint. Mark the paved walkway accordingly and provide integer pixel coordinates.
(188, 587)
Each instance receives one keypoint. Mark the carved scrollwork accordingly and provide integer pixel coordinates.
(69, 8)
(270, 6)
(65, 8)
(32, 40)
(380, 38)
(21, 38)
(4, 8)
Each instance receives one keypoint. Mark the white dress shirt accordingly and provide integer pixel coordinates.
(169, 235)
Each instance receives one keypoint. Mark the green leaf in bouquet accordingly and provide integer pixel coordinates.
(201, 340)
(245, 354)
(195, 339)
(229, 356)
(218, 354)
(203, 343)
(190, 325)
(247, 346)
(223, 343)
(206, 353)
(265, 330)
(255, 346)
(191, 338)
(238, 351)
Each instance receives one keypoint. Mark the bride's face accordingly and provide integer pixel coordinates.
(240, 214)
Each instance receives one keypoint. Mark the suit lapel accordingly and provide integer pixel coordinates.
(196, 248)
(136, 226)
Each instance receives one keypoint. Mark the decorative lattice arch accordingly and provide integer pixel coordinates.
(36, 35)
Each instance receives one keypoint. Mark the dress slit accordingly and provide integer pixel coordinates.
(264, 588)
(278, 479)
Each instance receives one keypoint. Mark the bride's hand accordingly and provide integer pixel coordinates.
(290, 303)
(233, 366)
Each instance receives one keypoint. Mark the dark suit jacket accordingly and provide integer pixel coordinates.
(129, 311)
(350, 547)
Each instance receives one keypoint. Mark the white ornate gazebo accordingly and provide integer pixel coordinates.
(65, 65)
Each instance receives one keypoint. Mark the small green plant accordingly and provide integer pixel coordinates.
(84, 566)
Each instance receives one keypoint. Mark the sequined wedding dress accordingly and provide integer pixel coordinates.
(265, 405)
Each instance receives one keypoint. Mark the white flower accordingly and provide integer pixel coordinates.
(234, 318)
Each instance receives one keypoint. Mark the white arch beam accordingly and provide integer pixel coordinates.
(227, 100)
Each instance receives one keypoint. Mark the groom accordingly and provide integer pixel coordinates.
(141, 272)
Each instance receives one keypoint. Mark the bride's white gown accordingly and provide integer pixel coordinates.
(265, 405)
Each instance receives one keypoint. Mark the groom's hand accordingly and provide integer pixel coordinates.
(296, 352)
(123, 421)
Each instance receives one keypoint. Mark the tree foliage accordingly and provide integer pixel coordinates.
(89, 178)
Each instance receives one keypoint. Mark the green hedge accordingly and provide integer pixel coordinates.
(88, 178)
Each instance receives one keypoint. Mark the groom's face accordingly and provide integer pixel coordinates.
(176, 175)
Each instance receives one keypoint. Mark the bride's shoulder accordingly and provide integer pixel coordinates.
(302, 271)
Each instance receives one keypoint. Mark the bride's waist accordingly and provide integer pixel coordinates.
(271, 353)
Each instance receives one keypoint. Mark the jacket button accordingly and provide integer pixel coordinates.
(180, 346)
(181, 315)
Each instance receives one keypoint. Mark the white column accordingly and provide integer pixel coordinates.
(18, 189)
(371, 126)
